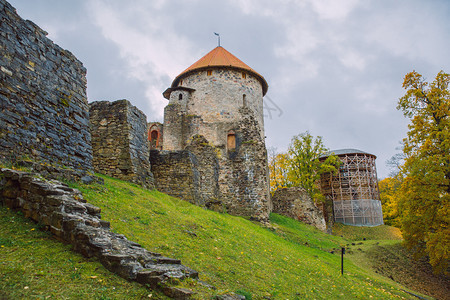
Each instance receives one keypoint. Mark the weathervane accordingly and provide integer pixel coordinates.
(218, 36)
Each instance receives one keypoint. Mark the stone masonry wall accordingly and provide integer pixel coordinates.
(119, 141)
(139, 146)
(190, 174)
(174, 135)
(217, 97)
(295, 203)
(175, 174)
(44, 111)
(64, 212)
(244, 178)
(207, 166)
(209, 105)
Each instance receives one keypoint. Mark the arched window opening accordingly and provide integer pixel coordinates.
(180, 96)
(231, 140)
(154, 138)
(244, 75)
(154, 135)
(244, 100)
(209, 72)
(181, 82)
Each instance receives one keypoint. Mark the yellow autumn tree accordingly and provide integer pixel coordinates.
(424, 194)
(389, 199)
(278, 169)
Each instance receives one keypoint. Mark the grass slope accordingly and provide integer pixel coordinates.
(379, 249)
(33, 265)
(288, 261)
(355, 233)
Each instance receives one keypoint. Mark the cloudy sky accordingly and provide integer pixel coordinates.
(334, 67)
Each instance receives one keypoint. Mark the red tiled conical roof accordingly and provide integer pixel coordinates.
(219, 57)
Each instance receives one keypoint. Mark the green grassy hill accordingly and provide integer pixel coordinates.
(288, 260)
(379, 249)
(34, 265)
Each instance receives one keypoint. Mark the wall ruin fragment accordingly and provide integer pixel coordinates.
(295, 203)
(119, 141)
(44, 110)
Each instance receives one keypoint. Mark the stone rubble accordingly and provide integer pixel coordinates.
(295, 203)
(64, 212)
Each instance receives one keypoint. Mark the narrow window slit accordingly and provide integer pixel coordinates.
(231, 140)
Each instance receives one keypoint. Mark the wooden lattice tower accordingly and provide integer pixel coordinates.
(354, 188)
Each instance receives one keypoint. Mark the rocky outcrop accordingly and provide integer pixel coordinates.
(294, 202)
(64, 212)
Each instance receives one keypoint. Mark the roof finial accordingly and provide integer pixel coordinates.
(218, 36)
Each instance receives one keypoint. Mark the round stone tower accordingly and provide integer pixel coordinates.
(209, 94)
(217, 104)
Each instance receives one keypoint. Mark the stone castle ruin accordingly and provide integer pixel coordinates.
(44, 121)
(210, 150)
(215, 112)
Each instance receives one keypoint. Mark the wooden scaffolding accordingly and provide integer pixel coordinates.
(354, 189)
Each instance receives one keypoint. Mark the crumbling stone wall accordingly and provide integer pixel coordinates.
(207, 166)
(174, 137)
(44, 110)
(191, 174)
(244, 178)
(119, 141)
(175, 174)
(295, 203)
(64, 212)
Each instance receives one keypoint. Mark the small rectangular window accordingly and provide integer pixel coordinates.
(244, 75)
(209, 72)
(231, 141)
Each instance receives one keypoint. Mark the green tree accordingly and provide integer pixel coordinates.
(304, 166)
(424, 192)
